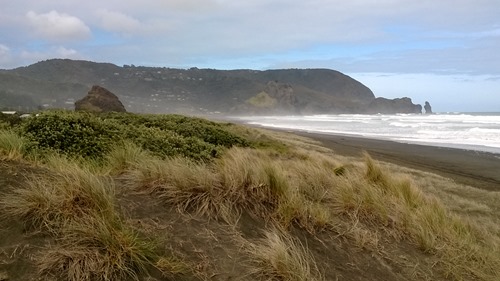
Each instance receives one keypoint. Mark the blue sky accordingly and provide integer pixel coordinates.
(446, 51)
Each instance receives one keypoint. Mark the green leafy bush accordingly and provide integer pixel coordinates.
(208, 131)
(9, 120)
(166, 143)
(75, 134)
(87, 135)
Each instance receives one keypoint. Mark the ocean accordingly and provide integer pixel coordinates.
(470, 131)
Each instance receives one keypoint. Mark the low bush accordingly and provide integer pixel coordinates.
(188, 127)
(78, 134)
(74, 134)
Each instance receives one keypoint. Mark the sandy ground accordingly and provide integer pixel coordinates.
(477, 169)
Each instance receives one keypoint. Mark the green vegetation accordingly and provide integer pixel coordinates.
(78, 134)
(98, 178)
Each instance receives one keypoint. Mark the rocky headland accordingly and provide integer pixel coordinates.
(58, 83)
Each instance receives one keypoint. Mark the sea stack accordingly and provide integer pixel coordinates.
(99, 100)
(428, 108)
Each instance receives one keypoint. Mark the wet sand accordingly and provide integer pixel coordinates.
(477, 169)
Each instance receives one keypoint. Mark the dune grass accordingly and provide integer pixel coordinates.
(77, 208)
(51, 200)
(296, 184)
(94, 249)
(278, 256)
(308, 191)
(12, 146)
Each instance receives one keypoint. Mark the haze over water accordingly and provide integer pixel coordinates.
(471, 131)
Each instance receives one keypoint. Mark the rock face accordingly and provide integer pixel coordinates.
(428, 108)
(283, 93)
(99, 100)
(388, 106)
(276, 98)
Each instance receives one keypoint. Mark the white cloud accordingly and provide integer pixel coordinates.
(58, 26)
(5, 56)
(4, 50)
(117, 22)
(53, 52)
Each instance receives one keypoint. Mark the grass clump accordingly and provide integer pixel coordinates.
(50, 201)
(77, 208)
(278, 256)
(12, 146)
(364, 203)
(94, 249)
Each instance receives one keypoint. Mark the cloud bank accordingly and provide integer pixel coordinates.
(446, 37)
(59, 27)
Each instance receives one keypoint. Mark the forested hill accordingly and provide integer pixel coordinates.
(60, 82)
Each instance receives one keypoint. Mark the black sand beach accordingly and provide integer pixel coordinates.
(477, 169)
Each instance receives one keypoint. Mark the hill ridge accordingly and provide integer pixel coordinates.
(191, 91)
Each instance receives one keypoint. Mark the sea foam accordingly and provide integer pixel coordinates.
(474, 131)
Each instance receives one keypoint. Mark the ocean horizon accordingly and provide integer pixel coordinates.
(478, 131)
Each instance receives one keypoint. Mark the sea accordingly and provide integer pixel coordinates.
(470, 131)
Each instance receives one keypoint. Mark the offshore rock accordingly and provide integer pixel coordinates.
(99, 100)
(388, 106)
(428, 108)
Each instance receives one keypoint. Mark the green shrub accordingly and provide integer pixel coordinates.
(86, 135)
(164, 143)
(9, 120)
(189, 127)
(74, 134)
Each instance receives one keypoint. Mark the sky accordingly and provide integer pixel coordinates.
(446, 52)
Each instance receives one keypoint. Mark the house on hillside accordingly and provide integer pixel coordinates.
(9, 112)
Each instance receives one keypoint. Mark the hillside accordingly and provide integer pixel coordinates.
(57, 83)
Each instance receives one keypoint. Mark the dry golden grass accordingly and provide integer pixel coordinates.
(297, 184)
(306, 189)
(278, 256)
(94, 249)
(465, 249)
(49, 201)
(77, 208)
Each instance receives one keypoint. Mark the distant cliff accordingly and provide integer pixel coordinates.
(59, 82)
(388, 106)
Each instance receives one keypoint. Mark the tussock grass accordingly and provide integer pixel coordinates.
(125, 156)
(12, 146)
(278, 256)
(307, 190)
(465, 249)
(292, 184)
(51, 200)
(242, 179)
(77, 208)
(94, 249)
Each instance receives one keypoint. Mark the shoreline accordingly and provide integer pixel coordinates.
(474, 168)
(479, 169)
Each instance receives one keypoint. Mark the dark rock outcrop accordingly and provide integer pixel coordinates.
(428, 108)
(388, 106)
(99, 100)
